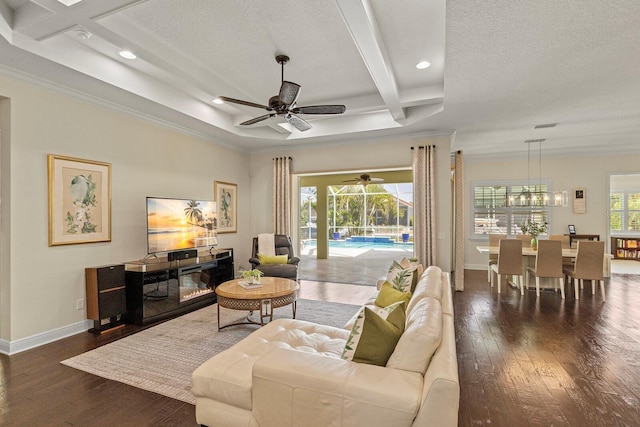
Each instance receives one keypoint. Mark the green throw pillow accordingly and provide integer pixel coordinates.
(388, 295)
(273, 259)
(395, 314)
(373, 339)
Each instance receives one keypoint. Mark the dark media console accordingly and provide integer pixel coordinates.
(183, 283)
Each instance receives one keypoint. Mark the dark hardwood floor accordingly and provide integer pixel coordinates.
(523, 362)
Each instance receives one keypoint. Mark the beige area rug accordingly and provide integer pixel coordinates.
(161, 359)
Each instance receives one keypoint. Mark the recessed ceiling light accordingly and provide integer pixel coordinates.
(422, 65)
(127, 54)
(218, 101)
(83, 34)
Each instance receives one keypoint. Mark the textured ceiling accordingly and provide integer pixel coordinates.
(498, 68)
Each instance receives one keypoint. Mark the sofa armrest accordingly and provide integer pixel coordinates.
(292, 387)
(293, 260)
(254, 261)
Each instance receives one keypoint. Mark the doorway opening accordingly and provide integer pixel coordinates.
(350, 232)
(624, 223)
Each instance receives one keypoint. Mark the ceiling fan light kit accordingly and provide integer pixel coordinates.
(284, 104)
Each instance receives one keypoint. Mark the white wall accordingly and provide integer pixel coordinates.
(625, 182)
(44, 283)
(358, 156)
(5, 223)
(591, 172)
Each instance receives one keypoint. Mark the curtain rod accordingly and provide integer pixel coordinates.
(277, 158)
(424, 146)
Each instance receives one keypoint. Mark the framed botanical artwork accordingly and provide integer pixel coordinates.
(226, 196)
(79, 201)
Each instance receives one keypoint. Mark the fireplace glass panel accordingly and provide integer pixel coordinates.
(196, 281)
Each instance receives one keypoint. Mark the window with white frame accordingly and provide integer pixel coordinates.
(493, 214)
(624, 211)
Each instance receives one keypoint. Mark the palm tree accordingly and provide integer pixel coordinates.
(350, 207)
(193, 213)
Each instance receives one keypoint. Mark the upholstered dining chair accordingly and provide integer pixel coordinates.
(283, 246)
(566, 244)
(548, 264)
(588, 266)
(525, 239)
(494, 240)
(509, 262)
(564, 239)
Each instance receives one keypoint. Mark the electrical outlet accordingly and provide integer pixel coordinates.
(80, 304)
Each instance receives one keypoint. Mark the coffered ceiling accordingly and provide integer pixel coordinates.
(496, 68)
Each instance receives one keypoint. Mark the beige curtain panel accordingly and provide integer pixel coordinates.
(424, 199)
(458, 209)
(282, 196)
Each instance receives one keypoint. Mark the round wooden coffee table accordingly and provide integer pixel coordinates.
(275, 292)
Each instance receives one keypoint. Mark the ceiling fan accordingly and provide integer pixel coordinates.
(284, 104)
(364, 179)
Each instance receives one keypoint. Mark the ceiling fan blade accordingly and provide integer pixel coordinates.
(257, 119)
(289, 92)
(320, 109)
(376, 179)
(247, 103)
(297, 122)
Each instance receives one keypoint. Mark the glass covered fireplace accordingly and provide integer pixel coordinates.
(196, 281)
(169, 289)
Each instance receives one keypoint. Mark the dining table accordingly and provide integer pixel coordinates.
(529, 254)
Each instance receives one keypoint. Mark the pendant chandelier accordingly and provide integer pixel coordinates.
(534, 196)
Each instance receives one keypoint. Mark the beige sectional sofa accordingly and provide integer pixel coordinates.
(290, 373)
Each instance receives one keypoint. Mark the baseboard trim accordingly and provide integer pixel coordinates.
(12, 347)
(475, 267)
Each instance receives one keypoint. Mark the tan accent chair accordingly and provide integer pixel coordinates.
(548, 264)
(509, 262)
(494, 240)
(588, 266)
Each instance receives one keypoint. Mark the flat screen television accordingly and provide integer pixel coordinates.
(177, 224)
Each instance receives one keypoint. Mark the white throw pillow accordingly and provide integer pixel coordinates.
(402, 279)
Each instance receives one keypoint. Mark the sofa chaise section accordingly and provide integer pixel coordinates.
(290, 373)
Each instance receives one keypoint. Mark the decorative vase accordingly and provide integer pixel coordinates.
(534, 243)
